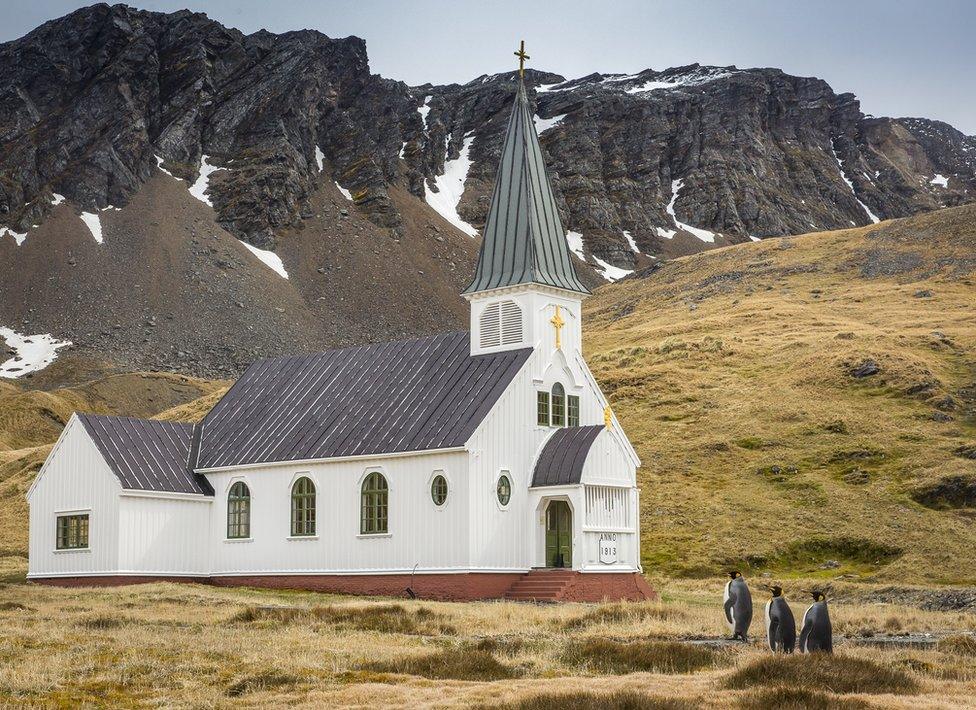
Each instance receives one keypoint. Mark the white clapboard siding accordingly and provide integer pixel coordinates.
(75, 479)
(164, 536)
(420, 534)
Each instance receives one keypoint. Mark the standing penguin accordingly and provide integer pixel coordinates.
(817, 633)
(780, 623)
(738, 606)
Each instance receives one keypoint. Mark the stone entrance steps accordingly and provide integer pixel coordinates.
(541, 585)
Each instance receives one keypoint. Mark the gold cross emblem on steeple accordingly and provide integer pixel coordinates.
(522, 57)
(558, 323)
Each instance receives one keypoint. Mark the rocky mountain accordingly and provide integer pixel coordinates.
(177, 194)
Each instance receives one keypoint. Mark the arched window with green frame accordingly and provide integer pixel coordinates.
(303, 508)
(239, 512)
(558, 405)
(374, 517)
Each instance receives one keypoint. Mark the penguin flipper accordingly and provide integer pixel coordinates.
(729, 604)
(805, 633)
(772, 633)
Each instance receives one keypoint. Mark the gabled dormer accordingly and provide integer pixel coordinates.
(525, 284)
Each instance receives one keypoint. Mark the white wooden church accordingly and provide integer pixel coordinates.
(460, 466)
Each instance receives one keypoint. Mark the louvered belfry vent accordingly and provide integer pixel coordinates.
(523, 239)
(500, 324)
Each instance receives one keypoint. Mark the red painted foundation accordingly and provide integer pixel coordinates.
(444, 587)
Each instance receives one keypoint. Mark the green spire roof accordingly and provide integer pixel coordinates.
(523, 238)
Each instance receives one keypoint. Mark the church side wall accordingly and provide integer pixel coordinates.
(420, 533)
(164, 536)
(77, 480)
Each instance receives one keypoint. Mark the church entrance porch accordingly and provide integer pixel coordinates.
(559, 535)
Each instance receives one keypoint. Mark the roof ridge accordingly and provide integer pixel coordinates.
(364, 346)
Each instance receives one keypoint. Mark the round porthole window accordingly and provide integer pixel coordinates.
(438, 490)
(504, 490)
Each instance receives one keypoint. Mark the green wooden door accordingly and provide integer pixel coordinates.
(559, 534)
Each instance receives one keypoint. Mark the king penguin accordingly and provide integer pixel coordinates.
(817, 634)
(780, 623)
(738, 606)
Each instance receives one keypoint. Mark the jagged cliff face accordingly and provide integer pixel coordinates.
(91, 100)
(734, 153)
(371, 192)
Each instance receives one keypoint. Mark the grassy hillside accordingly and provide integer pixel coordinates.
(733, 372)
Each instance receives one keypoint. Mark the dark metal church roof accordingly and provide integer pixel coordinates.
(523, 240)
(146, 455)
(561, 461)
(411, 395)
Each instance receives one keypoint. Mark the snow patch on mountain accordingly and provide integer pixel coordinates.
(703, 234)
(450, 187)
(18, 237)
(631, 242)
(424, 109)
(575, 241)
(319, 157)
(200, 187)
(159, 164)
(56, 199)
(94, 225)
(544, 124)
(665, 233)
(609, 271)
(345, 192)
(940, 180)
(32, 352)
(268, 258)
(840, 166)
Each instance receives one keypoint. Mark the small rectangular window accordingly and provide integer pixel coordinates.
(542, 409)
(558, 410)
(72, 532)
(572, 406)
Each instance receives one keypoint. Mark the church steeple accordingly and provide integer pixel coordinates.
(523, 239)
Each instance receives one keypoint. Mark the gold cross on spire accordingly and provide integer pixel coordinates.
(558, 323)
(522, 57)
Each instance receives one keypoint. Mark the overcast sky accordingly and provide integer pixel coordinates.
(901, 57)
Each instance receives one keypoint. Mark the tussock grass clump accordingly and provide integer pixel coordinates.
(465, 663)
(615, 657)
(592, 700)
(383, 618)
(624, 612)
(959, 645)
(835, 673)
(506, 646)
(797, 699)
(265, 680)
(14, 606)
(103, 621)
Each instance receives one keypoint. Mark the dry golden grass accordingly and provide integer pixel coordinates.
(196, 646)
(729, 371)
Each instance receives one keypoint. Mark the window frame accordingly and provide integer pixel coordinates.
(382, 502)
(572, 410)
(438, 474)
(307, 527)
(507, 476)
(69, 515)
(542, 409)
(557, 405)
(243, 510)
